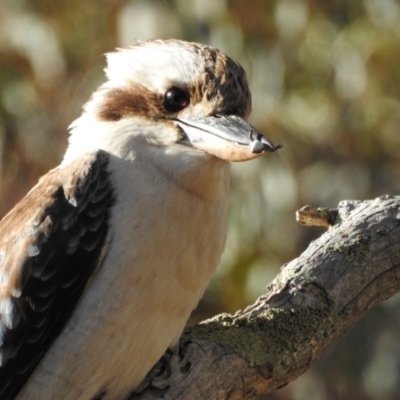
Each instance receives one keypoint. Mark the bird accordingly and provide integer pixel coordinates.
(102, 262)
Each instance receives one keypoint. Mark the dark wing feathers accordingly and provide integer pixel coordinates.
(50, 245)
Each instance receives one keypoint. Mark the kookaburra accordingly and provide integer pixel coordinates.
(104, 259)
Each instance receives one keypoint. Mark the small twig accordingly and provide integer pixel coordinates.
(321, 216)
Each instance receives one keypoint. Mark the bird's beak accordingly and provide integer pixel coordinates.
(228, 137)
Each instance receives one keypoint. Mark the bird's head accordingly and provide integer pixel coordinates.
(176, 94)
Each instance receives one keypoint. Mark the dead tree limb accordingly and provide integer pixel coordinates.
(314, 301)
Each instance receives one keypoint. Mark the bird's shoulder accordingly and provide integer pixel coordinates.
(51, 243)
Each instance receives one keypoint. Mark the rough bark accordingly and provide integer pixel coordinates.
(314, 300)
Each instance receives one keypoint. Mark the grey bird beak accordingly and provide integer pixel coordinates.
(228, 137)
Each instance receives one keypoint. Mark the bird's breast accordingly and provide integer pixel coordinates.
(165, 241)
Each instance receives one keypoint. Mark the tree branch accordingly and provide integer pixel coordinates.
(314, 300)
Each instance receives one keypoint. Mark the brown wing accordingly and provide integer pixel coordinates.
(50, 245)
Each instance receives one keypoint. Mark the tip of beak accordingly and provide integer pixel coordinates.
(273, 148)
(262, 144)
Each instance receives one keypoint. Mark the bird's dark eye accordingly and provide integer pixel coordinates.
(176, 99)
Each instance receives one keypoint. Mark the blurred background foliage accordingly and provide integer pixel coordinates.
(325, 79)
